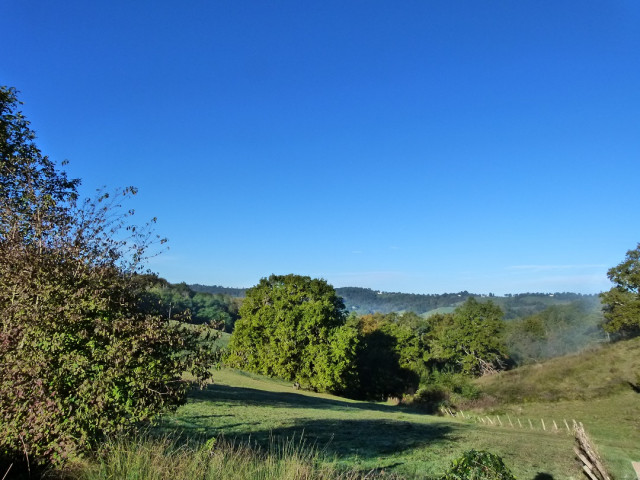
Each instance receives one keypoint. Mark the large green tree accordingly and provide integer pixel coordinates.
(293, 327)
(470, 340)
(80, 358)
(622, 302)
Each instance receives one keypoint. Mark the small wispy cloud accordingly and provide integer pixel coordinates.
(546, 268)
(356, 252)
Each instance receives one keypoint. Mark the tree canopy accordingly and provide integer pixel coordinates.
(293, 327)
(469, 340)
(622, 302)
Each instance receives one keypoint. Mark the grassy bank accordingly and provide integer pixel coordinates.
(595, 387)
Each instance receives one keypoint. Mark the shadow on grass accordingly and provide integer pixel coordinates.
(340, 439)
(252, 396)
(383, 441)
(361, 438)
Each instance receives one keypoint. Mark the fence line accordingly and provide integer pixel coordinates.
(506, 421)
(584, 449)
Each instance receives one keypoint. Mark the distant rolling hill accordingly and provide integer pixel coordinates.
(366, 300)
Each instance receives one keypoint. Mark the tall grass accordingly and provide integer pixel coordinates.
(165, 458)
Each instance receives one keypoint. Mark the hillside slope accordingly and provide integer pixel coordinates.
(598, 387)
(597, 372)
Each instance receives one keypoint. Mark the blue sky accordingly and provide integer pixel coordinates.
(419, 146)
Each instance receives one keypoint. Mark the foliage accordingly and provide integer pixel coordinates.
(400, 352)
(216, 289)
(622, 302)
(468, 340)
(366, 301)
(444, 389)
(526, 304)
(179, 301)
(79, 357)
(478, 465)
(388, 358)
(556, 331)
(293, 327)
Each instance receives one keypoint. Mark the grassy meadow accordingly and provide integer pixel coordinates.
(366, 437)
(245, 426)
(593, 387)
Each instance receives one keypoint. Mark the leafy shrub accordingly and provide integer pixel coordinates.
(444, 389)
(478, 465)
(79, 358)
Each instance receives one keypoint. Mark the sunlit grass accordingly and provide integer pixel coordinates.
(359, 436)
(150, 458)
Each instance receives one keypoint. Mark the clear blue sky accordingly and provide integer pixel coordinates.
(418, 146)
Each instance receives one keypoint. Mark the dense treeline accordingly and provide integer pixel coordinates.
(284, 331)
(297, 328)
(179, 301)
(524, 304)
(364, 300)
(555, 331)
(215, 289)
(540, 326)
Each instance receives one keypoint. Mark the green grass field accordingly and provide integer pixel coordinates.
(366, 436)
(265, 429)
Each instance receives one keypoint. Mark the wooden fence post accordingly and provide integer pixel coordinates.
(586, 452)
(567, 425)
